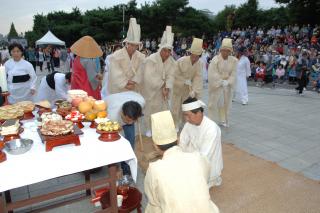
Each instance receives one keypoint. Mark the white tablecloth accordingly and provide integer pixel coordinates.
(38, 165)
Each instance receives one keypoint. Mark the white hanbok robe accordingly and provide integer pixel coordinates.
(204, 59)
(243, 71)
(206, 139)
(220, 98)
(105, 90)
(122, 69)
(116, 101)
(20, 91)
(45, 92)
(185, 71)
(152, 77)
(178, 184)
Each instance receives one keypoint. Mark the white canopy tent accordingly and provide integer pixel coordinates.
(50, 38)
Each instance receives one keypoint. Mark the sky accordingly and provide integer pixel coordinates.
(21, 12)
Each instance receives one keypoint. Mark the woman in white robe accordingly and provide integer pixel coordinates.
(21, 76)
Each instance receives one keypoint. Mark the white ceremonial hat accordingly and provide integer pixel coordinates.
(167, 39)
(163, 129)
(226, 44)
(134, 32)
(196, 46)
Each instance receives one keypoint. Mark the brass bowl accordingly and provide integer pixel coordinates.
(18, 146)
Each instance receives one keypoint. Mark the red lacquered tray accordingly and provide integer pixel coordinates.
(59, 140)
(3, 156)
(108, 136)
(28, 115)
(43, 110)
(13, 136)
(93, 124)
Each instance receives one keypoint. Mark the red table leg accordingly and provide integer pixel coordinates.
(113, 188)
(3, 207)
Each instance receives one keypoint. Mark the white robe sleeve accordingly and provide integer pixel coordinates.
(60, 86)
(209, 144)
(184, 139)
(248, 69)
(150, 188)
(33, 76)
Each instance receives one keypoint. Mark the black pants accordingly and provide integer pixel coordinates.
(302, 83)
(40, 65)
(34, 64)
(129, 134)
(49, 66)
(292, 79)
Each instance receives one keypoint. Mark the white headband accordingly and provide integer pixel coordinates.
(193, 105)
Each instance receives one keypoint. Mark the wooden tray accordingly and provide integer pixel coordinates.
(93, 124)
(28, 115)
(3, 156)
(108, 136)
(13, 136)
(43, 110)
(53, 141)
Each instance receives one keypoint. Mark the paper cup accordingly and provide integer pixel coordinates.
(119, 200)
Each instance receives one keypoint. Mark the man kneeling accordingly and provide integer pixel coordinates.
(200, 134)
(179, 181)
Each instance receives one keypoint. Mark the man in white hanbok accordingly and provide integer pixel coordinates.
(200, 134)
(243, 72)
(156, 78)
(177, 182)
(221, 81)
(188, 79)
(54, 86)
(124, 63)
(104, 90)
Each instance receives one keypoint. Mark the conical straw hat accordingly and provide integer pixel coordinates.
(86, 47)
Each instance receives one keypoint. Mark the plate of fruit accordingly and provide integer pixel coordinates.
(109, 131)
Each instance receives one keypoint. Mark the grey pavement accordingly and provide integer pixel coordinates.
(277, 125)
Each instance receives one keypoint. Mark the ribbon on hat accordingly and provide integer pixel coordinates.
(193, 105)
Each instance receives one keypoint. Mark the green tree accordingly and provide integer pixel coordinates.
(247, 14)
(12, 33)
(274, 17)
(303, 11)
(220, 20)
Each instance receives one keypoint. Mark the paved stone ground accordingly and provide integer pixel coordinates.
(276, 125)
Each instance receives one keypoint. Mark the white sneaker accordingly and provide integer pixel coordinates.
(148, 133)
(224, 124)
(244, 103)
